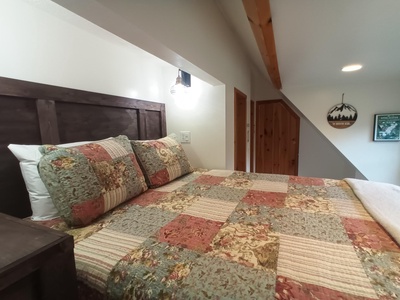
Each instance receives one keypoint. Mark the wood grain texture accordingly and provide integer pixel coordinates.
(34, 114)
(36, 262)
(277, 138)
(260, 19)
(46, 110)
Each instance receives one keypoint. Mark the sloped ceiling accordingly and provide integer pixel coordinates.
(316, 38)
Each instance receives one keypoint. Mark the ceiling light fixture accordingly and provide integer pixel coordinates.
(351, 68)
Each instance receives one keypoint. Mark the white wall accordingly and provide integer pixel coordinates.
(202, 113)
(378, 161)
(262, 89)
(191, 35)
(43, 42)
(317, 156)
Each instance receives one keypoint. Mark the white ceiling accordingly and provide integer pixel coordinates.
(316, 38)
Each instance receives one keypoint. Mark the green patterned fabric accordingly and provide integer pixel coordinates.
(162, 160)
(87, 181)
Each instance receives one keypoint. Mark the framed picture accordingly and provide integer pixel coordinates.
(387, 127)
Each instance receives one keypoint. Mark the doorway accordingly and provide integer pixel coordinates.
(277, 138)
(240, 126)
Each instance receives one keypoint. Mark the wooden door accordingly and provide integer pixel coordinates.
(240, 112)
(277, 138)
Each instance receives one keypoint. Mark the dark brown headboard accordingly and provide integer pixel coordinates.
(32, 113)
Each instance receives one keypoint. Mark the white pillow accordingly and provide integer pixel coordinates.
(29, 156)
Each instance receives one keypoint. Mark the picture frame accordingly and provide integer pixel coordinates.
(387, 127)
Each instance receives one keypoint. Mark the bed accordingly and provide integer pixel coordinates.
(176, 232)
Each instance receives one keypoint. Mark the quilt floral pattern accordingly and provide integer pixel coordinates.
(217, 234)
(162, 160)
(86, 181)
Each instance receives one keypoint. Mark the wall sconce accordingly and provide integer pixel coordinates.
(182, 83)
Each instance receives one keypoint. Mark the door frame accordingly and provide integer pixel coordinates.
(240, 130)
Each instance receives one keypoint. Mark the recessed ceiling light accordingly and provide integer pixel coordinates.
(351, 68)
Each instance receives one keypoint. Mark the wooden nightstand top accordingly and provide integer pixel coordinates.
(20, 238)
(25, 247)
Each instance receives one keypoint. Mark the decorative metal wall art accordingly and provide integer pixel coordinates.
(342, 115)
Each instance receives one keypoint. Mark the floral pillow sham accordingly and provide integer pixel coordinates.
(161, 160)
(88, 180)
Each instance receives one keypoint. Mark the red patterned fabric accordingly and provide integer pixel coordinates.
(190, 232)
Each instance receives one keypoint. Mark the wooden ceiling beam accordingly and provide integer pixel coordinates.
(259, 16)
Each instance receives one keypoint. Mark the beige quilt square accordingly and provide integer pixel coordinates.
(211, 209)
(172, 186)
(97, 255)
(336, 266)
(220, 173)
(270, 186)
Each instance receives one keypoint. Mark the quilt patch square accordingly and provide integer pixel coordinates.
(383, 269)
(223, 193)
(369, 234)
(246, 214)
(142, 221)
(238, 183)
(172, 186)
(152, 271)
(191, 176)
(306, 180)
(95, 152)
(340, 193)
(333, 182)
(96, 256)
(287, 288)
(147, 198)
(309, 190)
(271, 199)
(324, 227)
(111, 198)
(189, 232)
(252, 245)
(309, 204)
(270, 186)
(349, 208)
(220, 173)
(343, 271)
(112, 149)
(269, 177)
(176, 201)
(209, 179)
(215, 278)
(211, 209)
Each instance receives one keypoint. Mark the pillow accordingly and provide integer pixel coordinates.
(88, 180)
(161, 160)
(41, 204)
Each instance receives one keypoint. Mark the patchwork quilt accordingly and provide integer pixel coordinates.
(218, 234)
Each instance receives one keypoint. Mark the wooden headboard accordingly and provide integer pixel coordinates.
(35, 114)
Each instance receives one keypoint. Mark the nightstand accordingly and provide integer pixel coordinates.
(36, 262)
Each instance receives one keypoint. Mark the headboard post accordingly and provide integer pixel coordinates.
(142, 115)
(46, 110)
